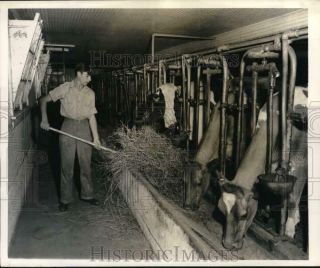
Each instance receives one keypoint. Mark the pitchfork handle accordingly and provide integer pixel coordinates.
(83, 140)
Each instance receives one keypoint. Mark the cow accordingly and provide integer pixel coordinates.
(168, 91)
(199, 172)
(238, 201)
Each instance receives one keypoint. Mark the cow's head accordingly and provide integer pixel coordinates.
(197, 181)
(239, 207)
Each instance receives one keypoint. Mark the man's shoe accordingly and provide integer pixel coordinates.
(63, 207)
(93, 201)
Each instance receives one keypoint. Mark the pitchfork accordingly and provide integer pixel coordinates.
(83, 140)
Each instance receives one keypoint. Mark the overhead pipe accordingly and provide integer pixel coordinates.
(246, 45)
(175, 36)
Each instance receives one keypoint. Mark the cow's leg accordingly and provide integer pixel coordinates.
(293, 212)
(294, 199)
(299, 169)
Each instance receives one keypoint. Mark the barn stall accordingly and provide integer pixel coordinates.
(203, 122)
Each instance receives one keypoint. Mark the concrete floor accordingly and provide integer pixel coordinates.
(83, 232)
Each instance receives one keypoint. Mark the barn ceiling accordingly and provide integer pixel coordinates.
(129, 30)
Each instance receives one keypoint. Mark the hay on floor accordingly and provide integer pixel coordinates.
(151, 154)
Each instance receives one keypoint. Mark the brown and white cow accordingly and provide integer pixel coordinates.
(237, 201)
(198, 174)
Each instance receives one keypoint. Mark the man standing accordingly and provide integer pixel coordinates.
(78, 109)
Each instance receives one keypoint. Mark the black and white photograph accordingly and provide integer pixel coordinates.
(171, 133)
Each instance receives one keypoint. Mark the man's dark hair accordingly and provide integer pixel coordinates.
(81, 67)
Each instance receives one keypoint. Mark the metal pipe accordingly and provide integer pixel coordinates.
(159, 75)
(153, 88)
(286, 139)
(145, 83)
(154, 35)
(187, 97)
(260, 67)
(223, 130)
(209, 61)
(196, 108)
(127, 96)
(116, 94)
(207, 99)
(240, 106)
(257, 52)
(292, 35)
(213, 61)
(148, 88)
(184, 95)
(162, 73)
(284, 102)
(140, 87)
(254, 102)
(270, 122)
(245, 45)
(174, 66)
(135, 96)
(59, 45)
(266, 54)
(292, 83)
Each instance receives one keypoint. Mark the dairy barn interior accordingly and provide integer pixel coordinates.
(201, 115)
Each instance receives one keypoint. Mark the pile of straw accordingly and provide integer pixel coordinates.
(151, 154)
